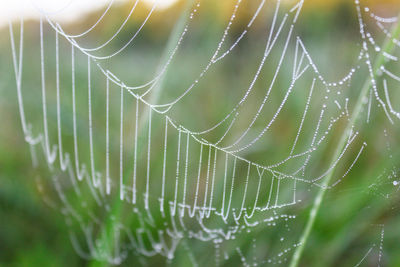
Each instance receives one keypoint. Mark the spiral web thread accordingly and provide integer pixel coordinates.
(204, 188)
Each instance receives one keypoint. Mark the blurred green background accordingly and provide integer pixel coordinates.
(353, 213)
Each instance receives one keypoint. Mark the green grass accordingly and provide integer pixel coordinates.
(345, 220)
(387, 48)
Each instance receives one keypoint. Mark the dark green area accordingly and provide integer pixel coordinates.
(33, 233)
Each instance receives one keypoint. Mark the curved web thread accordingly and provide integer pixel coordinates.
(163, 69)
(205, 174)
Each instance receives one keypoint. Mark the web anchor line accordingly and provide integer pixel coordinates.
(199, 182)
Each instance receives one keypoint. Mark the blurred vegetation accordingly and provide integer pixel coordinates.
(33, 234)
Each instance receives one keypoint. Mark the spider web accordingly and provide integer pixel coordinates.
(123, 158)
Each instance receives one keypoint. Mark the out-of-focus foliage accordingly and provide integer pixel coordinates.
(31, 234)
